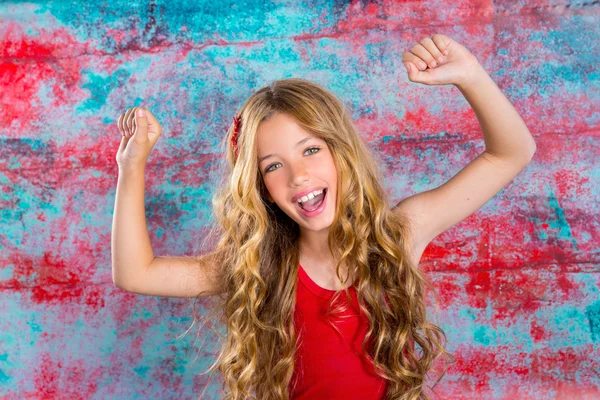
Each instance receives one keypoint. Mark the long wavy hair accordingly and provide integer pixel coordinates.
(258, 257)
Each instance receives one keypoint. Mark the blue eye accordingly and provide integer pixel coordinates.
(310, 148)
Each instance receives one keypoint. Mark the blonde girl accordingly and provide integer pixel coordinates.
(321, 294)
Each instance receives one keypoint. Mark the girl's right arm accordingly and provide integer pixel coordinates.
(134, 266)
(131, 250)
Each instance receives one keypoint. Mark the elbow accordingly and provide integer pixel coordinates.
(122, 287)
(532, 148)
(532, 153)
(528, 149)
(118, 282)
(528, 155)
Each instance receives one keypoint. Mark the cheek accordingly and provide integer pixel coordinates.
(332, 171)
(271, 185)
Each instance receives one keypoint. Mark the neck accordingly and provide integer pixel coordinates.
(314, 251)
(313, 245)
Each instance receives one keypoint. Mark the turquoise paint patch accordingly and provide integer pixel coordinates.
(458, 324)
(141, 371)
(482, 334)
(100, 86)
(35, 327)
(387, 138)
(567, 325)
(4, 379)
(146, 315)
(193, 21)
(592, 312)
(560, 223)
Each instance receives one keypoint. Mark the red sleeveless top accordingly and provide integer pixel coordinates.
(328, 366)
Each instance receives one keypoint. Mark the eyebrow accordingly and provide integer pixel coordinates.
(306, 139)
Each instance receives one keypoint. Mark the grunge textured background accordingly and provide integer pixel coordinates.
(518, 281)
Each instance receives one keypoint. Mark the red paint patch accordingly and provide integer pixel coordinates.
(537, 332)
(478, 289)
(20, 81)
(543, 373)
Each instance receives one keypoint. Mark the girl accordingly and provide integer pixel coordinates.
(302, 217)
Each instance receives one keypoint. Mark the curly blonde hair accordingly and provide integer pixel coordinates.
(258, 250)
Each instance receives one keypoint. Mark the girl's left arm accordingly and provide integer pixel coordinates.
(509, 146)
(504, 132)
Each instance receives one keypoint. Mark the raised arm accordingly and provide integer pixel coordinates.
(509, 146)
(131, 250)
(134, 266)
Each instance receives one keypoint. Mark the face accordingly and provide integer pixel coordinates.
(294, 166)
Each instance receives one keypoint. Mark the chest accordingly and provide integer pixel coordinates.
(329, 361)
(326, 277)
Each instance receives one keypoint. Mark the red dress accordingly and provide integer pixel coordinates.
(327, 365)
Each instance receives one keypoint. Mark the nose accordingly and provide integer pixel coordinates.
(299, 174)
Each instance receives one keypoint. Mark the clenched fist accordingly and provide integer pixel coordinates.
(140, 131)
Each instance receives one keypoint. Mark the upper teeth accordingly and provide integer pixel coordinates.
(309, 196)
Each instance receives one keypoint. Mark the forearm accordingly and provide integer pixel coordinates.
(131, 250)
(504, 132)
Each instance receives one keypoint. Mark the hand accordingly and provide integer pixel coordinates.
(139, 133)
(457, 66)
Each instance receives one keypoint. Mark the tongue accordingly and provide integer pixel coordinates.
(314, 203)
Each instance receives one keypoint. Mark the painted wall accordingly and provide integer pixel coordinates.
(518, 280)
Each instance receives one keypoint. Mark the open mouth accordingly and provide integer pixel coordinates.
(314, 203)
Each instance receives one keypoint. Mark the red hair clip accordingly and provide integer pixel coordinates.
(236, 131)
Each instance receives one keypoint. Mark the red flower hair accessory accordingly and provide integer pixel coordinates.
(236, 131)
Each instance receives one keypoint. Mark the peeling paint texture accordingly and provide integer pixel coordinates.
(517, 281)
